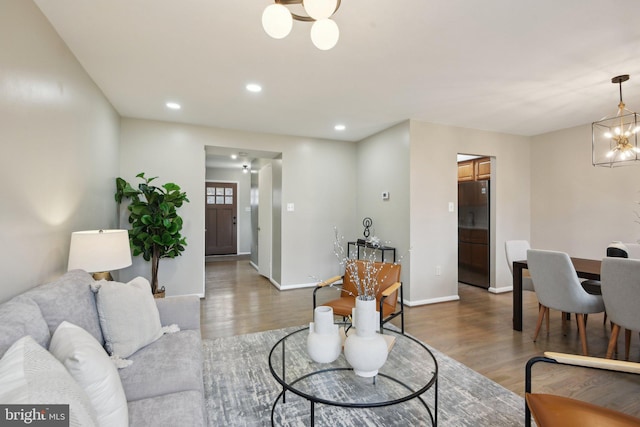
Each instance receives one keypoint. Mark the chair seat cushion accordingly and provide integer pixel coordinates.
(550, 410)
(342, 306)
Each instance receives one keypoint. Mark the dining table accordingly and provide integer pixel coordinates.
(585, 268)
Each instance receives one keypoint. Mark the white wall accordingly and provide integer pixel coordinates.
(317, 176)
(243, 199)
(162, 150)
(59, 150)
(383, 165)
(433, 184)
(578, 208)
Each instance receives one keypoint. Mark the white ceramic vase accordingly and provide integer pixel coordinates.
(324, 343)
(366, 350)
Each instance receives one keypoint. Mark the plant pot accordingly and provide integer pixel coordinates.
(324, 342)
(159, 293)
(366, 350)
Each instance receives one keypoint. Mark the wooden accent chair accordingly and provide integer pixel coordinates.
(558, 411)
(388, 276)
(621, 295)
(558, 287)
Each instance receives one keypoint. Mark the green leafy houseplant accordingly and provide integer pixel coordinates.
(155, 223)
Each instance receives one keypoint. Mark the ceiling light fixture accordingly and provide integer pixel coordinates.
(253, 87)
(245, 168)
(614, 140)
(173, 105)
(277, 20)
(339, 127)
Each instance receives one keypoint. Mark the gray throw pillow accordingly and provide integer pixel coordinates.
(128, 315)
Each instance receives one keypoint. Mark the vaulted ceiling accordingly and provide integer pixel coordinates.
(515, 66)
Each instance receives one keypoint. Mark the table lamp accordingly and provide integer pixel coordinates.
(99, 252)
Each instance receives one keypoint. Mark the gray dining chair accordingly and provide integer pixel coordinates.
(516, 250)
(620, 279)
(623, 250)
(557, 286)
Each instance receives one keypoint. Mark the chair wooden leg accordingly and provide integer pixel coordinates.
(583, 333)
(586, 318)
(548, 316)
(541, 312)
(613, 341)
(627, 343)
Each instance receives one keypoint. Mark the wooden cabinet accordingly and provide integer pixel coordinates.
(466, 171)
(483, 168)
(474, 170)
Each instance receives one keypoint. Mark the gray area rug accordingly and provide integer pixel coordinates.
(240, 391)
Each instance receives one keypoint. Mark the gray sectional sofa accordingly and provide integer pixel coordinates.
(163, 386)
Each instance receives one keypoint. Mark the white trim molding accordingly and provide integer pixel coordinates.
(501, 289)
(410, 303)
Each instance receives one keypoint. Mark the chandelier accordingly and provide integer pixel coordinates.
(277, 20)
(614, 140)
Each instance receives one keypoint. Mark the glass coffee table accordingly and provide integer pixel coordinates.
(409, 372)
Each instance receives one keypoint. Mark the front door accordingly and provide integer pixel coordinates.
(221, 229)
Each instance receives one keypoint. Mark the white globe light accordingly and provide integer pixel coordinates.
(277, 21)
(325, 34)
(320, 9)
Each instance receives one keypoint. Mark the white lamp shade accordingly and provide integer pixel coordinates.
(99, 250)
(320, 9)
(325, 34)
(277, 21)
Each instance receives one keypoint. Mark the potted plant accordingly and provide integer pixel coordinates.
(155, 223)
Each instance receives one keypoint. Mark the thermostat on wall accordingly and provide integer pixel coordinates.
(385, 195)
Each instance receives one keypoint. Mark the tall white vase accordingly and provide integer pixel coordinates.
(366, 350)
(324, 342)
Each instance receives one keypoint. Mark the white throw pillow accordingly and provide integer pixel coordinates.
(30, 375)
(128, 314)
(90, 366)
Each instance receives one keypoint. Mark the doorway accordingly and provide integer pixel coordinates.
(242, 167)
(221, 233)
(476, 236)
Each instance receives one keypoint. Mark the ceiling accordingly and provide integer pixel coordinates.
(514, 66)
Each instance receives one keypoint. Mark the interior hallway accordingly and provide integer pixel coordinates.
(475, 331)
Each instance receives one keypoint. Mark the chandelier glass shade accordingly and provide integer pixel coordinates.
(614, 139)
(277, 20)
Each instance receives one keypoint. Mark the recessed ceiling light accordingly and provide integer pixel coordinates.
(339, 127)
(234, 156)
(173, 105)
(253, 87)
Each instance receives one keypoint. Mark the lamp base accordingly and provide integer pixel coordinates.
(103, 275)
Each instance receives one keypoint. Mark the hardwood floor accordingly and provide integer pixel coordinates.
(476, 331)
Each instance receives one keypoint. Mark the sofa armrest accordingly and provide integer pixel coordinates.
(182, 310)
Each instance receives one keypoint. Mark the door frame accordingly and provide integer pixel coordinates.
(265, 235)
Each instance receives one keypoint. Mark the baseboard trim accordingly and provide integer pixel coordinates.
(501, 290)
(410, 303)
(294, 286)
(198, 294)
(253, 265)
